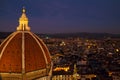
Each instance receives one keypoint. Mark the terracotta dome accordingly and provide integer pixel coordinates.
(24, 54)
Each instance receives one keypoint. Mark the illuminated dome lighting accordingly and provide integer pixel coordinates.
(23, 55)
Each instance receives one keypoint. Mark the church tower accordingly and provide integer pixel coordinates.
(75, 74)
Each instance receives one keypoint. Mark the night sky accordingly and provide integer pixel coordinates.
(62, 16)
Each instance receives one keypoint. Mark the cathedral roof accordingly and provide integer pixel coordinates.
(23, 51)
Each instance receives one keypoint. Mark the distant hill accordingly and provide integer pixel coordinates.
(4, 34)
(66, 35)
(85, 35)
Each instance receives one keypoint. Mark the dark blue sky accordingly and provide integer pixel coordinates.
(56, 16)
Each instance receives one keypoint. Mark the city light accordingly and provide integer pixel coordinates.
(117, 50)
(61, 68)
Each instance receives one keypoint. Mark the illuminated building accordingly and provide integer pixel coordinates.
(23, 55)
(76, 76)
(61, 68)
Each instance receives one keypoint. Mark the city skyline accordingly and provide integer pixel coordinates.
(62, 16)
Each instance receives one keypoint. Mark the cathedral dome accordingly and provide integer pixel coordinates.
(23, 55)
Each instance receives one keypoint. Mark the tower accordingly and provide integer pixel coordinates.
(75, 74)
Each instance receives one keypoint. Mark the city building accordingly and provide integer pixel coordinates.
(24, 56)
